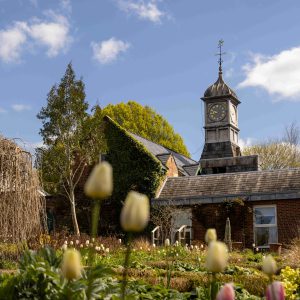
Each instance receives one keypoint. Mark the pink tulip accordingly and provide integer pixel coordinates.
(226, 292)
(275, 291)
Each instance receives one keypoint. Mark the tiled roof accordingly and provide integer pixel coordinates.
(162, 153)
(192, 170)
(242, 183)
(219, 88)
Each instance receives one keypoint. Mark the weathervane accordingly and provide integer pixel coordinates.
(220, 61)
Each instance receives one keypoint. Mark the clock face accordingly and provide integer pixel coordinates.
(233, 117)
(217, 112)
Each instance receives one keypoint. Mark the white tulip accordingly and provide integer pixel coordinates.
(135, 212)
(100, 182)
(217, 257)
(167, 243)
(64, 247)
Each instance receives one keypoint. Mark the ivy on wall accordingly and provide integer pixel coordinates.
(134, 167)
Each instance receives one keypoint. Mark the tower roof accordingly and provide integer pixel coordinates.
(219, 88)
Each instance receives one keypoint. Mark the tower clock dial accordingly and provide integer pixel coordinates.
(217, 112)
(233, 117)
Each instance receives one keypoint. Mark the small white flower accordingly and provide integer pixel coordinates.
(192, 247)
(64, 247)
(153, 245)
(66, 242)
(141, 248)
(120, 241)
(81, 245)
(167, 242)
(93, 240)
(77, 242)
(107, 250)
(87, 242)
(71, 243)
(176, 243)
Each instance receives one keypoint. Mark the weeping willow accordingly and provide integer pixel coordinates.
(22, 207)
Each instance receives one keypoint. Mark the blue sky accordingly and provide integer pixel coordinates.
(156, 52)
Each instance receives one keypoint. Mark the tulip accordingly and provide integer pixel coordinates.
(210, 235)
(275, 291)
(226, 292)
(64, 247)
(135, 212)
(217, 257)
(71, 243)
(120, 241)
(177, 243)
(269, 265)
(167, 242)
(100, 183)
(71, 265)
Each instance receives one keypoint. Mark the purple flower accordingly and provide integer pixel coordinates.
(275, 291)
(226, 292)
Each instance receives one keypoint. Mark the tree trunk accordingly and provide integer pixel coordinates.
(73, 213)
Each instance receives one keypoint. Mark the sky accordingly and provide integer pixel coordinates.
(159, 53)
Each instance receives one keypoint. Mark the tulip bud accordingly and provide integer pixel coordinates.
(100, 183)
(167, 242)
(135, 212)
(217, 257)
(275, 291)
(210, 235)
(269, 265)
(71, 265)
(177, 243)
(226, 292)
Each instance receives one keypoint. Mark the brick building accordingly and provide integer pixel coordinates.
(263, 206)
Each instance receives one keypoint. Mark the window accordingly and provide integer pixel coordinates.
(265, 225)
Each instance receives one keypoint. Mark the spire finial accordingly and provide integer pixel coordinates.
(220, 61)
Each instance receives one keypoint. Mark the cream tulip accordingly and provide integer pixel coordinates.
(217, 257)
(71, 264)
(210, 235)
(100, 182)
(167, 242)
(269, 265)
(135, 212)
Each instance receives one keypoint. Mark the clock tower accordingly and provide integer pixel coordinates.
(221, 119)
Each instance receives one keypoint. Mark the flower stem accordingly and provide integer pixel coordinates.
(126, 265)
(95, 218)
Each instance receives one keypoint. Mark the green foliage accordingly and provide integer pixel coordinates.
(291, 282)
(144, 121)
(134, 167)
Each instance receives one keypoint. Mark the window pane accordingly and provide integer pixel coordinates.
(264, 215)
(265, 235)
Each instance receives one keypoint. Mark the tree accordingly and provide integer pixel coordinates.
(64, 157)
(292, 134)
(275, 154)
(144, 121)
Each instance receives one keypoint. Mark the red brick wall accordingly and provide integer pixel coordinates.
(241, 219)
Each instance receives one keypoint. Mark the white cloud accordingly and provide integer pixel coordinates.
(66, 5)
(20, 107)
(246, 142)
(146, 10)
(52, 33)
(11, 42)
(278, 75)
(108, 51)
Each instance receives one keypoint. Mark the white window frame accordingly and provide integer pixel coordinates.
(264, 225)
